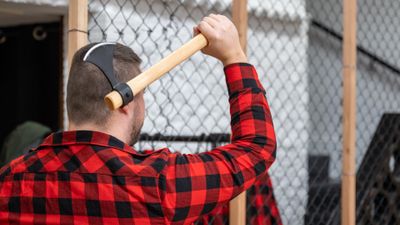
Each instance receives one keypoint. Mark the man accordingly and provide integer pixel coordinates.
(90, 174)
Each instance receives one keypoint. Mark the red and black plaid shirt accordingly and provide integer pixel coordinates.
(262, 208)
(85, 177)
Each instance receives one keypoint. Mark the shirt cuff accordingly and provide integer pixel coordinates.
(241, 76)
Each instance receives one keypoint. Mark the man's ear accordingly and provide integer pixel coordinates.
(124, 109)
(127, 109)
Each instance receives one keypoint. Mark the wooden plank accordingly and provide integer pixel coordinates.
(240, 19)
(61, 85)
(77, 34)
(237, 210)
(348, 198)
(77, 26)
(237, 207)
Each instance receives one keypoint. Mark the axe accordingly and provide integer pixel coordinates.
(114, 99)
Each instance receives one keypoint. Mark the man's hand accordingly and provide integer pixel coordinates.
(223, 39)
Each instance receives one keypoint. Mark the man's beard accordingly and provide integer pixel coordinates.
(135, 133)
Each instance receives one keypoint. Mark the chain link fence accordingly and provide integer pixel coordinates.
(378, 117)
(190, 103)
(296, 46)
(325, 111)
(277, 46)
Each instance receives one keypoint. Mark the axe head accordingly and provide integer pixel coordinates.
(102, 55)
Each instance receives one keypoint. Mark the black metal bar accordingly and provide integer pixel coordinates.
(213, 138)
(361, 49)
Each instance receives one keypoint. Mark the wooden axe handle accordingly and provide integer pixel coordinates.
(141, 81)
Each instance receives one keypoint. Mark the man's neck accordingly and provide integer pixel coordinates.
(114, 131)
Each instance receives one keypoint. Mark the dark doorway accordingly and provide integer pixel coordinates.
(31, 75)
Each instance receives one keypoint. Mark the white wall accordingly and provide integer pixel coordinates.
(41, 2)
(278, 49)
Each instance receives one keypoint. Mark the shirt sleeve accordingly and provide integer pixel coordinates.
(191, 185)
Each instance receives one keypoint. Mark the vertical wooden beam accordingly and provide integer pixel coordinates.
(237, 207)
(77, 26)
(348, 198)
(77, 36)
(240, 19)
(61, 73)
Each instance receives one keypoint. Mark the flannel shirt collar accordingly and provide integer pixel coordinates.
(65, 138)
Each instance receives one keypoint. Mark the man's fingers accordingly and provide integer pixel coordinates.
(212, 21)
(206, 29)
(215, 16)
(220, 18)
(223, 21)
(195, 31)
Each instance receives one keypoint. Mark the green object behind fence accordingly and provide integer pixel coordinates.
(25, 136)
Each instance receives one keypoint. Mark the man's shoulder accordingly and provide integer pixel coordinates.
(14, 166)
(89, 159)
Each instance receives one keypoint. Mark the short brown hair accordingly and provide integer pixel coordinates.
(87, 85)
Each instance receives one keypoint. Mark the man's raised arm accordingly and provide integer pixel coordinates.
(194, 184)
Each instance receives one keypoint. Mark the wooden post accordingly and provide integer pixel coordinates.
(348, 198)
(239, 18)
(77, 36)
(77, 26)
(237, 207)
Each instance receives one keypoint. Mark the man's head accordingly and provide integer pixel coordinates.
(87, 86)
